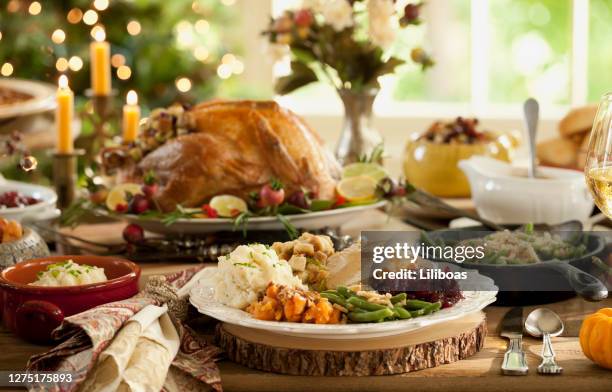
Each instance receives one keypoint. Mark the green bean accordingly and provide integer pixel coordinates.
(345, 292)
(401, 312)
(362, 303)
(417, 313)
(433, 308)
(369, 317)
(335, 298)
(398, 298)
(415, 304)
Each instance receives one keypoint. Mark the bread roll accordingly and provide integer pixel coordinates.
(558, 152)
(578, 121)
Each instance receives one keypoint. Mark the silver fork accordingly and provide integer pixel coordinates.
(548, 365)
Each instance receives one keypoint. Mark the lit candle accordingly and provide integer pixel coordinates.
(100, 64)
(63, 116)
(131, 117)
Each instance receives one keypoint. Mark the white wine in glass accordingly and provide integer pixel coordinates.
(598, 167)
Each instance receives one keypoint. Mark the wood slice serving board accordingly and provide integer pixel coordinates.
(426, 348)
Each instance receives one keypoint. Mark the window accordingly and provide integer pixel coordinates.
(491, 55)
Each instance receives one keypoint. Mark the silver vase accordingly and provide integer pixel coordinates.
(358, 138)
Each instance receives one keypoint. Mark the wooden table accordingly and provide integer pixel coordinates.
(478, 373)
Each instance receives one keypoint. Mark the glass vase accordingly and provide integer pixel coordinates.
(358, 138)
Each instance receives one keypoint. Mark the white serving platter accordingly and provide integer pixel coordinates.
(308, 221)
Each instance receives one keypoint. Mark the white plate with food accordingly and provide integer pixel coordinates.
(20, 97)
(25, 202)
(254, 285)
(202, 298)
(306, 221)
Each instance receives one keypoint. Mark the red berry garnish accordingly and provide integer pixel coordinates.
(340, 200)
(139, 204)
(133, 234)
(149, 190)
(121, 208)
(209, 211)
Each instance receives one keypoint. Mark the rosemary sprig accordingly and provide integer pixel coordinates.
(179, 213)
(72, 215)
(292, 232)
(376, 155)
(241, 221)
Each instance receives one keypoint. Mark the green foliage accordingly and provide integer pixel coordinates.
(156, 56)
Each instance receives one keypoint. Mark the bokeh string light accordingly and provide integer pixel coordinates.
(7, 69)
(90, 17)
(133, 27)
(58, 36)
(35, 8)
(197, 44)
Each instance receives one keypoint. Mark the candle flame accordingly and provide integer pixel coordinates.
(132, 98)
(100, 35)
(63, 81)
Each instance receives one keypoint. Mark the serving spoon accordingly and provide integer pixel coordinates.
(531, 110)
(545, 323)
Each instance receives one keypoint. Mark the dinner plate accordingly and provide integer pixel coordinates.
(308, 221)
(43, 98)
(202, 298)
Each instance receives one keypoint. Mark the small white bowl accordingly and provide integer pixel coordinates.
(41, 211)
(503, 196)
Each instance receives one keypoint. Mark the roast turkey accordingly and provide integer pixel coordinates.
(235, 147)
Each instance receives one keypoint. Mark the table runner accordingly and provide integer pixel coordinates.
(89, 333)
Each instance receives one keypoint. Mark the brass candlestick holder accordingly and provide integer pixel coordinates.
(65, 176)
(103, 114)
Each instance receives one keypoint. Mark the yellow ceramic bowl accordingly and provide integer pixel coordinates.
(433, 168)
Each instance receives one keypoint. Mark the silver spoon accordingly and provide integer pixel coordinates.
(545, 323)
(531, 109)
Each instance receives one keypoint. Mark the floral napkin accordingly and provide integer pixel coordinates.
(99, 335)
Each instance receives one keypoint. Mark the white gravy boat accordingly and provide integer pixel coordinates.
(504, 194)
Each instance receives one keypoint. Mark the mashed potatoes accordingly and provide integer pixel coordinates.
(69, 273)
(244, 274)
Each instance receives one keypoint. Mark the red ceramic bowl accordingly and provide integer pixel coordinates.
(32, 312)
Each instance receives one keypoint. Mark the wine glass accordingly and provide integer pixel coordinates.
(598, 167)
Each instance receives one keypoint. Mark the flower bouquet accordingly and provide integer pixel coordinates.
(345, 43)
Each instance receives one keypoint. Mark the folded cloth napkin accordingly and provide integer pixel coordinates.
(139, 356)
(119, 341)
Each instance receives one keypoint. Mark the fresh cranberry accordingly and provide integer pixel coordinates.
(139, 204)
(299, 199)
(121, 208)
(340, 200)
(133, 234)
(209, 211)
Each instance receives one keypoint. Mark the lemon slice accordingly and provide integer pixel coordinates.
(228, 206)
(116, 195)
(374, 170)
(358, 188)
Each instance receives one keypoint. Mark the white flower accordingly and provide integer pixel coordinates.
(382, 22)
(338, 13)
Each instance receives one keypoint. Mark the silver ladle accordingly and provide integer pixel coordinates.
(531, 110)
(545, 323)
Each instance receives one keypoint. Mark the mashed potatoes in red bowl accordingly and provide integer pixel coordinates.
(36, 295)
